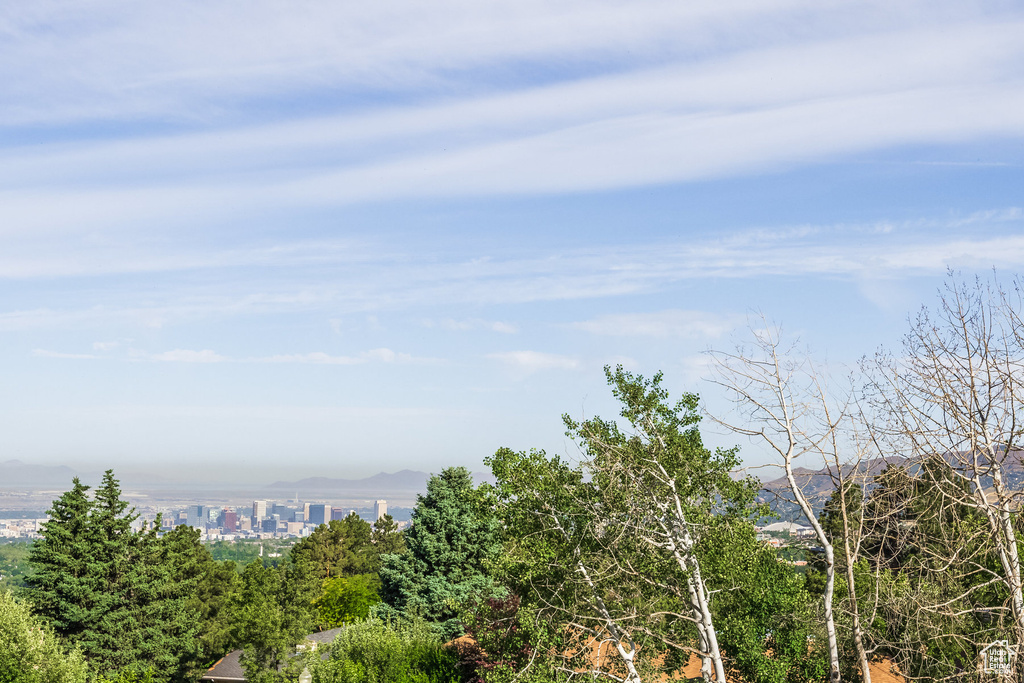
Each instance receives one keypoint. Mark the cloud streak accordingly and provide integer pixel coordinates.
(782, 99)
(662, 324)
(529, 362)
(345, 281)
(204, 356)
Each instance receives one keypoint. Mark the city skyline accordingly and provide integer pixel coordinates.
(260, 244)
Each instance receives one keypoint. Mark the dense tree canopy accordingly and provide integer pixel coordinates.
(339, 548)
(119, 594)
(630, 545)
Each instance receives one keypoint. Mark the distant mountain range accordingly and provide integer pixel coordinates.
(817, 485)
(404, 481)
(18, 473)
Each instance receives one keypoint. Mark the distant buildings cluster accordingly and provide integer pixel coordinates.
(265, 519)
(20, 528)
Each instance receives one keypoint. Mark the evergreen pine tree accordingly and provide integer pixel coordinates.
(119, 594)
(453, 538)
(61, 585)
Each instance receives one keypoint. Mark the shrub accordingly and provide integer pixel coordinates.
(30, 652)
(375, 651)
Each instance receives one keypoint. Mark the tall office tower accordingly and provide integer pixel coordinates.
(380, 508)
(259, 509)
(338, 514)
(319, 514)
(195, 516)
(305, 510)
(230, 522)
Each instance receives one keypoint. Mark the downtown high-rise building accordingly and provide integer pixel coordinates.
(259, 509)
(195, 516)
(319, 514)
(380, 508)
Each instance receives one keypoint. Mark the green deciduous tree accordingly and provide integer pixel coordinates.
(453, 538)
(386, 538)
(344, 599)
(374, 651)
(610, 548)
(272, 612)
(339, 548)
(507, 642)
(30, 652)
(13, 564)
(769, 624)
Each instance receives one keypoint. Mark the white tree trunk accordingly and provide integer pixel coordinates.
(830, 569)
(613, 629)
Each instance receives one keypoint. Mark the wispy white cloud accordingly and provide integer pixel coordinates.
(378, 355)
(374, 280)
(764, 99)
(154, 61)
(529, 362)
(663, 324)
(43, 353)
(468, 324)
(183, 356)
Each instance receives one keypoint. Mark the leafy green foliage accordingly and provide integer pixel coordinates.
(453, 540)
(129, 676)
(386, 538)
(271, 612)
(767, 621)
(374, 651)
(507, 643)
(208, 588)
(14, 564)
(609, 548)
(30, 652)
(241, 552)
(347, 598)
(338, 548)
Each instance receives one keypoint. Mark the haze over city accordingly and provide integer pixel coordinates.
(250, 243)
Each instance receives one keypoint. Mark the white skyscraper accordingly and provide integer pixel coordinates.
(380, 508)
(259, 509)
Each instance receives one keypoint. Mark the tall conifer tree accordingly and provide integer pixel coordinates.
(61, 584)
(119, 594)
(454, 536)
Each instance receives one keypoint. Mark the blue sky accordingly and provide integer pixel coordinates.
(249, 241)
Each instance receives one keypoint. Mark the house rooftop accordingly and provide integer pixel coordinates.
(228, 668)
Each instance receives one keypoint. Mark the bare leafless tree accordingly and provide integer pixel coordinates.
(783, 400)
(956, 392)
